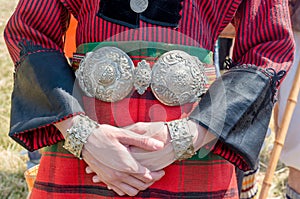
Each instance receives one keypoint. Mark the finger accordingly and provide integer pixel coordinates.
(88, 170)
(115, 189)
(127, 189)
(96, 179)
(136, 183)
(150, 177)
(123, 182)
(143, 142)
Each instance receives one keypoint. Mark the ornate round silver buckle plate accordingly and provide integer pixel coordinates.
(106, 74)
(178, 78)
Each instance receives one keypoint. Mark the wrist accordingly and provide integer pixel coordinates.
(201, 135)
(76, 136)
(64, 125)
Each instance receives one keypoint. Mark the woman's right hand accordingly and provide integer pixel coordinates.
(107, 154)
(123, 183)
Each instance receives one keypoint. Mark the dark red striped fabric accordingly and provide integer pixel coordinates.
(263, 34)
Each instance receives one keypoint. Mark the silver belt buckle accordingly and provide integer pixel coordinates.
(108, 74)
(178, 78)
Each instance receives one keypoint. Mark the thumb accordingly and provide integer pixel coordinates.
(140, 141)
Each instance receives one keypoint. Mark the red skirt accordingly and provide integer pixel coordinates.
(61, 175)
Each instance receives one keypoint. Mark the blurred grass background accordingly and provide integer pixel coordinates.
(13, 163)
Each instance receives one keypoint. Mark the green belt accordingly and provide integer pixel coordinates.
(149, 49)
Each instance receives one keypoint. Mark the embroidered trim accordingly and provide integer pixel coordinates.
(27, 46)
(75, 60)
(249, 187)
(228, 63)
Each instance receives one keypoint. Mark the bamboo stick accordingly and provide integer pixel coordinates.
(281, 134)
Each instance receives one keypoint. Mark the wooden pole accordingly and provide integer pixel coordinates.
(281, 134)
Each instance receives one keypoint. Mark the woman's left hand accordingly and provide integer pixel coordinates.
(156, 160)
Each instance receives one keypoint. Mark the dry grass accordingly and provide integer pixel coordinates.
(12, 167)
(13, 164)
(277, 190)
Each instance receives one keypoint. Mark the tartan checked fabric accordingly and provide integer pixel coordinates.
(63, 176)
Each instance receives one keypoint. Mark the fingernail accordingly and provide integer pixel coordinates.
(88, 170)
(161, 173)
(96, 179)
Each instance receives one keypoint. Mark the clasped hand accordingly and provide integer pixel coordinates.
(107, 152)
(131, 159)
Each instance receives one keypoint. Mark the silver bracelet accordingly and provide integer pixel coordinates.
(78, 134)
(181, 139)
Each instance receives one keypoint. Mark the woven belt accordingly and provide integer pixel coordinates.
(108, 74)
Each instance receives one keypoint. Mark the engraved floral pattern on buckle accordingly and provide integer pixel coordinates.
(106, 74)
(109, 75)
(142, 77)
(178, 78)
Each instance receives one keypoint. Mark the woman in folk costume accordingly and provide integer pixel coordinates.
(140, 115)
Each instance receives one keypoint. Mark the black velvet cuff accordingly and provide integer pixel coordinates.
(163, 12)
(119, 12)
(158, 12)
(237, 109)
(44, 92)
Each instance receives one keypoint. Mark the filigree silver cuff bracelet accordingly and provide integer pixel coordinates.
(78, 134)
(181, 139)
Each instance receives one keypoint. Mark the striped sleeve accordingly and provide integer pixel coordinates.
(264, 37)
(72, 6)
(44, 86)
(41, 22)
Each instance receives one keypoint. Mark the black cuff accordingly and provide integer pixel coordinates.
(44, 92)
(158, 12)
(237, 109)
